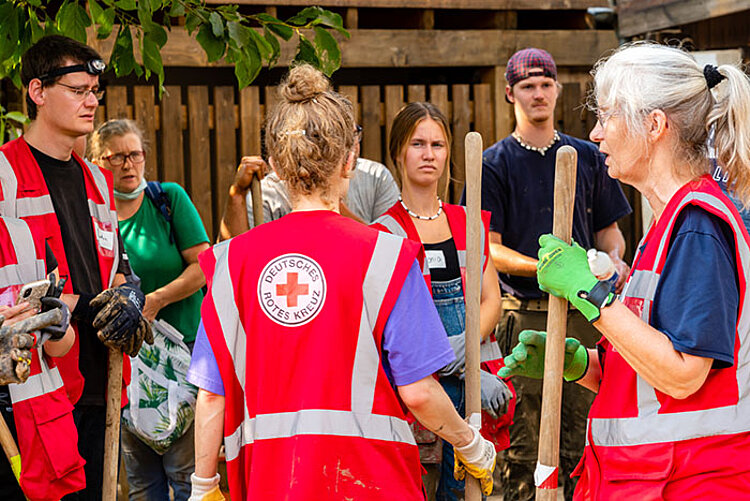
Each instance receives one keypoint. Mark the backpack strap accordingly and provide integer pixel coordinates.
(160, 199)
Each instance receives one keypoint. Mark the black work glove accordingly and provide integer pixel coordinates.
(15, 355)
(119, 320)
(57, 331)
(458, 366)
(495, 394)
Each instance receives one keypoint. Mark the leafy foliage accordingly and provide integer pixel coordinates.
(140, 27)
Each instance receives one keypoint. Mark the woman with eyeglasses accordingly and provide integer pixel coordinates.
(419, 146)
(164, 254)
(671, 416)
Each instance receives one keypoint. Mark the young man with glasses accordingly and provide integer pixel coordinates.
(518, 176)
(68, 203)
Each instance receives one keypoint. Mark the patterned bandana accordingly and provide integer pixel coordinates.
(530, 63)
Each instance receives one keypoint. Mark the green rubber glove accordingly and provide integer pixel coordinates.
(527, 357)
(563, 270)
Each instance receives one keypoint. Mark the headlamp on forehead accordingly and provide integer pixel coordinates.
(92, 67)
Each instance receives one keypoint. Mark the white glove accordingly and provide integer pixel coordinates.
(478, 458)
(205, 489)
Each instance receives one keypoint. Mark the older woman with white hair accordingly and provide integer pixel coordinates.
(671, 419)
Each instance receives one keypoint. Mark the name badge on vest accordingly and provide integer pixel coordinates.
(105, 237)
(435, 259)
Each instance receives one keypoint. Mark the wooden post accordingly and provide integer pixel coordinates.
(112, 430)
(257, 201)
(557, 318)
(474, 229)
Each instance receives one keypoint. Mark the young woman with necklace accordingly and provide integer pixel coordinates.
(419, 146)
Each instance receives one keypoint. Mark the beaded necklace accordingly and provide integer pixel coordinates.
(423, 218)
(541, 150)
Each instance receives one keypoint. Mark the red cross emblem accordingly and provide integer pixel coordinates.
(292, 289)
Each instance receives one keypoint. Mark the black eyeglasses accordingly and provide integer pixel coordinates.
(82, 93)
(358, 133)
(118, 159)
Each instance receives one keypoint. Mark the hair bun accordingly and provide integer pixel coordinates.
(303, 83)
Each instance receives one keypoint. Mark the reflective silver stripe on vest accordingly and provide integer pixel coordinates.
(366, 358)
(10, 187)
(104, 213)
(317, 422)
(28, 268)
(34, 206)
(46, 381)
(650, 427)
(489, 351)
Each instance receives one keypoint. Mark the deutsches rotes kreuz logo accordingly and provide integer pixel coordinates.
(292, 289)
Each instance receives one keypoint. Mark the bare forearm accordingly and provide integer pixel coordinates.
(186, 284)
(429, 403)
(593, 376)
(490, 307)
(651, 353)
(610, 239)
(507, 260)
(234, 221)
(209, 429)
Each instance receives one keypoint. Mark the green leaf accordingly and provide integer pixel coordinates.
(155, 5)
(145, 16)
(192, 21)
(126, 4)
(248, 66)
(152, 59)
(9, 30)
(122, 59)
(304, 16)
(35, 3)
(238, 34)
(327, 50)
(306, 52)
(264, 48)
(214, 47)
(177, 9)
(332, 20)
(72, 20)
(275, 46)
(275, 26)
(105, 19)
(37, 30)
(217, 25)
(18, 117)
(157, 34)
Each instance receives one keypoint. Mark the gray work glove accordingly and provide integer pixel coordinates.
(457, 367)
(15, 355)
(119, 321)
(56, 331)
(495, 394)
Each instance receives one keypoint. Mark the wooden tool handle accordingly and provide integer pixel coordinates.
(557, 319)
(257, 201)
(474, 229)
(112, 430)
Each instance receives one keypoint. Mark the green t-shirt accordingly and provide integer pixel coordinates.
(156, 261)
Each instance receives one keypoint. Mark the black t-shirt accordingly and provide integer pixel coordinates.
(67, 190)
(442, 259)
(518, 189)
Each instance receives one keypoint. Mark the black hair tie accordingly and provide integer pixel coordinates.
(712, 75)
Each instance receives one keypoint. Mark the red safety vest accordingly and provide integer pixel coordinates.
(645, 445)
(51, 466)
(295, 315)
(25, 195)
(397, 221)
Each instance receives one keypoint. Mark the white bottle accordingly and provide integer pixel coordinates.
(601, 266)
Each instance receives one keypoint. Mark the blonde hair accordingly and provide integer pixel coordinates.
(99, 139)
(310, 132)
(641, 77)
(405, 123)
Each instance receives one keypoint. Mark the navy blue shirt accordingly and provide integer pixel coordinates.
(518, 189)
(697, 297)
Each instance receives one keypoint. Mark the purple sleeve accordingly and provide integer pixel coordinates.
(204, 371)
(415, 344)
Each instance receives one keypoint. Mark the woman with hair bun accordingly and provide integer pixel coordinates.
(419, 146)
(308, 345)
(671, 419)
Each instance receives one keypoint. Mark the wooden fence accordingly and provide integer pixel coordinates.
(197, 133)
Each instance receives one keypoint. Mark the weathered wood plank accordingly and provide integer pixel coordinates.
(144, 113)
(636, 17)
(371, 133)
(226, 148)
(483, 113)
(116, 99)
(418, 48)
(439, 97)
(416, 93)
(171, 135)
(352, 91)
(504, 116)
(200, 154)
(394, 100)
(460, 124)
(271, 99)
(250, 121)
(439, 4)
